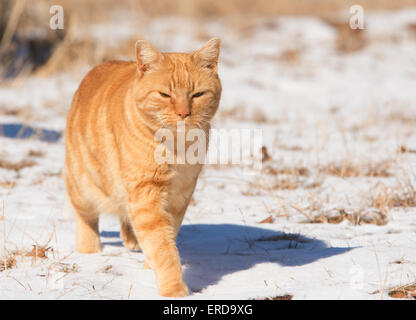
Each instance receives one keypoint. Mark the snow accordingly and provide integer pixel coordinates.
(326, 107)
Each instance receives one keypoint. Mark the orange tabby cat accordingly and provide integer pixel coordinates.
(110, 147)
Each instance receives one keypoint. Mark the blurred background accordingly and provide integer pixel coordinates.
(95, 31)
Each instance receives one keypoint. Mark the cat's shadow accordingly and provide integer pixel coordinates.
(211, 251)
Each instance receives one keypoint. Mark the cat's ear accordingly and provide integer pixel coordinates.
(207, 56)
(148, 57)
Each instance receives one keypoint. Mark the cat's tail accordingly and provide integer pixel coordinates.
(68, 211)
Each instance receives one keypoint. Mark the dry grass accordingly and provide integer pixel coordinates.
(316, 213)
(281, 178)
(348, 169)
(387, 198)
(36, 153)
(72, 52)
(7, 185)
(407, 291)
(335, 216)
(285, 184)
(284, 297)
(405, 149)
(16, 165)
(39, 252)
(401, 117)
(295, 171)
(7, 262)
(271, 170)
(265, 154)
(66, 267)
(21, 112)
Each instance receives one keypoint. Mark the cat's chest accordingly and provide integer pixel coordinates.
(185, 178)
(182, 185)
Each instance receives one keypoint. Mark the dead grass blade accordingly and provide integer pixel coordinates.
(388, 198)
(269, 219)
(407, 291)
(7, 262)
(284, 297)
(39, 252)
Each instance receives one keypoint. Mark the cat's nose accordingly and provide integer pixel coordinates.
(183, 113)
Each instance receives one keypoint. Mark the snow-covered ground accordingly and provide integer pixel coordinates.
(319, 109)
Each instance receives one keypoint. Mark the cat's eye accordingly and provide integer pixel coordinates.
(198, 94)
(165, 95)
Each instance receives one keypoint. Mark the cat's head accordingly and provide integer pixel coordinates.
(175, 87)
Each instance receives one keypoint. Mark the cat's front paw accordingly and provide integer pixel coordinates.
(89, 247)
(176, 290)
(131, 244)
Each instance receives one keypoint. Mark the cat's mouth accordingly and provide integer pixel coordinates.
(173, 122)
(189, 122)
